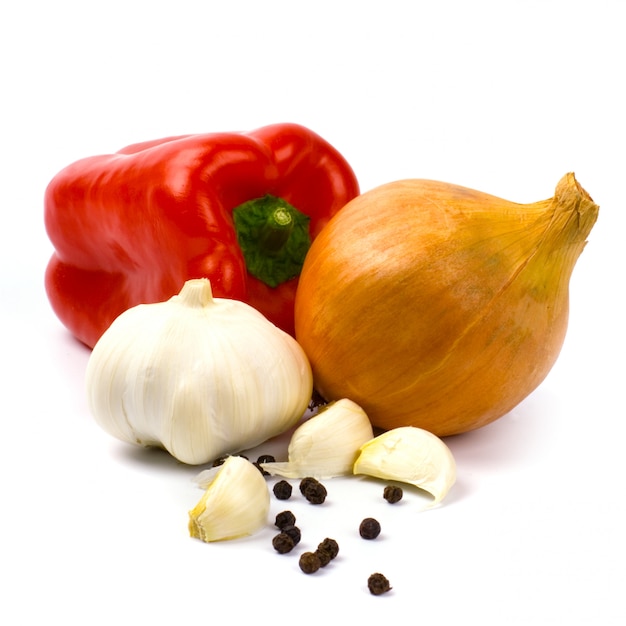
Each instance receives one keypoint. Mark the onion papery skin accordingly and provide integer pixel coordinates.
(437, 306)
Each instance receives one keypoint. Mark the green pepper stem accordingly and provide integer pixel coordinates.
(275, 233)
(274, 238)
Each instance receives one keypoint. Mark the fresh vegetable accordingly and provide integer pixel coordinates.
(410, 455)
(235, 504)
(238, 208)
(326, 444)
(437, 306)
(197, 375)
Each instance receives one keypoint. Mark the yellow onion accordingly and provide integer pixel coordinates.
(437, 306)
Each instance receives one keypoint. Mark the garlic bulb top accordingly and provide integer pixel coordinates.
(197, 375)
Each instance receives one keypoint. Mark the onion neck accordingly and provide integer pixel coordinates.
(574, 202)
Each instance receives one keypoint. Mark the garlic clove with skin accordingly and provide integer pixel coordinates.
(198, 376)
(327, 444)
(411, 455)
(236, 503)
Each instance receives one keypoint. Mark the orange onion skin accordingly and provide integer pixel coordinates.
(438, 306)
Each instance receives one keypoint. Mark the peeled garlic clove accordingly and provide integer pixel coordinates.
(411, 455)
(327, 444)
(236, 503)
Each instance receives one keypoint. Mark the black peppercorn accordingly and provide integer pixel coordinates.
(393, 494)
(369, 528)
(327, 551)
(283, 543)
(324, 557)
(293, 532)
(261, 469)
(305, 482)
(266, 458)
(309, 562)
(314, 491)
(285, 518)
(378, 584)
(330, 546)
(282, 490)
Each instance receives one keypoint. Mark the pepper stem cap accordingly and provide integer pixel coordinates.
(274, 238)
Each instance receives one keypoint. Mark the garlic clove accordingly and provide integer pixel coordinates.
(327, 444)
(236, 503)
(411, 455)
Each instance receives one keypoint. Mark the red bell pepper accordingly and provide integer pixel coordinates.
(238, 208)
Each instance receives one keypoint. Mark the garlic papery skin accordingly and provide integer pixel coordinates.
(236, 503)
(410, 455)
(327, 444)
(198, 376)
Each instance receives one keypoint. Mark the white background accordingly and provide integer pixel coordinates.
(504, 97)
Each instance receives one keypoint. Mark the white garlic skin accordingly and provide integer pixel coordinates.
(197, 375)
(327, 444)
(236, 503)
(411, 455)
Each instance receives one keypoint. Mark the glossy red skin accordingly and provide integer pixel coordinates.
(132, 227)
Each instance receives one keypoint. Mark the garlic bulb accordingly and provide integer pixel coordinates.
(236, 503)
(410, 455)
(327, 444)
(197, 375)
